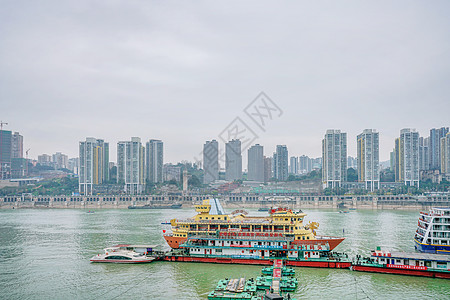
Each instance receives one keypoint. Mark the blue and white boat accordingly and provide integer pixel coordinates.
(433, 231)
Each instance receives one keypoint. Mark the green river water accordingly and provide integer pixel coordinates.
(44, 254)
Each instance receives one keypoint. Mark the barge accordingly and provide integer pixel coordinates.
(275, 285)
(404, 263)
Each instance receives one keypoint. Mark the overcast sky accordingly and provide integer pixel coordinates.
(181, 71)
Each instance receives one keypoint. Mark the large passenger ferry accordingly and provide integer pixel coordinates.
(211, 220)
(213, 236)
(433, 231)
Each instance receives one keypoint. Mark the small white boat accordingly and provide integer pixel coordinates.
(121, 256)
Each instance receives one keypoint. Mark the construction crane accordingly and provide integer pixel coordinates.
(1, 147)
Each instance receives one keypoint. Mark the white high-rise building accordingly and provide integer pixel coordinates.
(16, 145)
(154, 158)
(305, 164)
(94, 164)
(293, 165)
(210, 161)
(256, 163)
(233, 160)
(130, 165)
(445, 155)
(435, 149)
(407, 157)
(424, 153)
(334, 158)
(368, 160)
(280, 163)
(60, 160)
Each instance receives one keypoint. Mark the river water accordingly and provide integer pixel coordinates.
(44, 254)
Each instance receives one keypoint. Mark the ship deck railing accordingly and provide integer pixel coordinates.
(255, 247)
(368, 262)
(323, 258)
(237, 237)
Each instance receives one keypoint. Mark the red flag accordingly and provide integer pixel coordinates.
(164, 231)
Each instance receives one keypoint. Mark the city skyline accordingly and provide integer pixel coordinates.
(68, 77)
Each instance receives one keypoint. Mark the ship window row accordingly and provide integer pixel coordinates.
(212, 218)
(441, 227)
(118, 257)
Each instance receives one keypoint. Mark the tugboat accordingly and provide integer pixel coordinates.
(433, 231)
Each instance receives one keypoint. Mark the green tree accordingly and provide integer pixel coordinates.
(352, 175)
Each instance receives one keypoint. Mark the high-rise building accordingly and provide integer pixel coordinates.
(305, 164)
(16, 145)
(368, 159)
(45, 160)
(352, 162)
(93, 164)
(280, 162)
(445, 155)
(60, 160)
(233, 160)
(407, 157)
(334, 158)
(435, 149)
(316, 163)
(424, 153)
(18, 167)
(256, 163)
(293, 165)
(130, 165)
(392, 160)
(267, 169)
(154, 161)
(5, 154)
(210, 161)
(74, 165)
(172, 172)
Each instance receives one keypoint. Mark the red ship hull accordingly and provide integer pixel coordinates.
(401, 271)
(174, 241)
(268, 262)
(333, 242)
